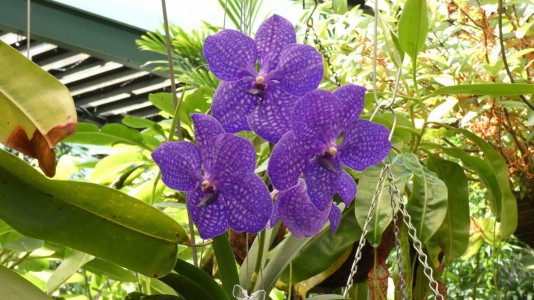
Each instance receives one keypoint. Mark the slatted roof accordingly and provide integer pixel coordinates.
(96, 58)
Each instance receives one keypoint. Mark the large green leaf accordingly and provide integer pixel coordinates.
(453, 235)
(37, 110)
(492, 89)
(88, 217)
(428, 202)
(202, 278)
(367, 189)
(413, 27)
(14, 286)
(226, 263)
(508, 203)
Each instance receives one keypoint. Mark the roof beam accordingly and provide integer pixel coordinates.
(77, 30)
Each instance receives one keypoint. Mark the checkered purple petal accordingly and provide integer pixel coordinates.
(211, 220)
(300, 69)
(351, 98)
(227, 155)
(316, 116)
(347, 188)
(364, 144)
(322, 183)
(289, 158)
(298, 213)
(231, 55)
(272, 35)
(334, 217)
(272, 117)
(248, 201)
(179, 163)
(232, 103)
(206, 127)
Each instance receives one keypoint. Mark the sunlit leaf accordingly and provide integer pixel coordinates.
(491, 89)
(413, 27)
(91, 218)
(16, 287)
(37, 110)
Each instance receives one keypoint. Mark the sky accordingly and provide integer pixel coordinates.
(147, 14)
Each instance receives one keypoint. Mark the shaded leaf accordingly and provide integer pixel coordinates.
(70, 264)
(428, 202)
(111, 134)
(453, 235)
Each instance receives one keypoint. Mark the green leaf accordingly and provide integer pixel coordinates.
(71, 263)
(14, 286)
(226, 263)
(504, 196)
(453, 235)
(491, 89)
(202, 278)
(24, 244)
(327, 297)
(37, 110)
(324, 249)
(285, 252)
(428, 202)
(111, 134)
(111, 167)
(188, 288)
(163, 101)
(383, 213)
(112, 271)
(340, 6)
(91, 218)
(413, 27)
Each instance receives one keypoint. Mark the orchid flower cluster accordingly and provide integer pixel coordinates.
(269, 86)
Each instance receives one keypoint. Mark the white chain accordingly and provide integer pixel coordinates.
(365, 230)
(423, 259)
(402, 280)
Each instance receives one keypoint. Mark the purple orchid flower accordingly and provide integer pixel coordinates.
(261, 99)
(218, 177)
(312, 148)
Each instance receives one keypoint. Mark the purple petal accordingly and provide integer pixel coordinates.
(248, 201)
(300, 69)
(322, 183)
(272, 117)
(352, 98)
(347, 188)
(227, 155)
(231, 55)
(364, 144)
(272, 35)
(232, 104)
(334, 218)
(179, 163)
(206, 127)
(316, 116)
(289, 158)
(212, 219)
(298, 213)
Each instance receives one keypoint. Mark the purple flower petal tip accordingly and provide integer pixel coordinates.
(298, 213)
(179, 163)
(206, 127)
(365, 144)
(230, 54)
(272, 35)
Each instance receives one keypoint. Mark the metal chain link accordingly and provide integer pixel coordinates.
(311, 31)
(365, 230)
(412, 232)
(397, 239)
